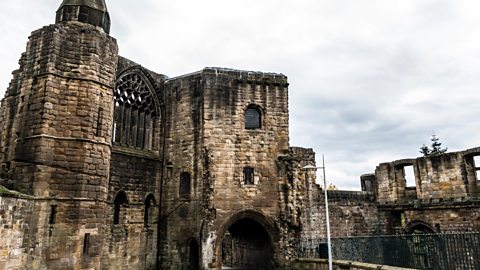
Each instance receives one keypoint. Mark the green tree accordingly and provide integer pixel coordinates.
(435, 149)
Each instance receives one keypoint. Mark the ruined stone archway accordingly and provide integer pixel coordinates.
(419, 227)
(246, 241)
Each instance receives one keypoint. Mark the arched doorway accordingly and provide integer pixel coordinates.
(420, 227)
(247, 245)
(424, 246)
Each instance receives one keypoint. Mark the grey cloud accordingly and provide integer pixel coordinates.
(369, 80)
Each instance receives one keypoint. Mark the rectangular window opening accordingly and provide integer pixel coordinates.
(86, 243)
(248, 176)
(409, 176)
(476, 162)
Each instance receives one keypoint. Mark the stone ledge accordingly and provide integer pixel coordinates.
(306, 263)
(122, 150)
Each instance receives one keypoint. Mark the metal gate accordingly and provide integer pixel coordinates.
(452, 251)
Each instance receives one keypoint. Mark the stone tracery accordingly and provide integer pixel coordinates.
(135, 112)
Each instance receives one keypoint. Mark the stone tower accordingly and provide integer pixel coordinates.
(56, 134)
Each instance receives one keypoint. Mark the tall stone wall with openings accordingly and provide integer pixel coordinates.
(445, 197)
(135, 170)
(121, 167)
(445, 176)
(208, 149)
(245, 131)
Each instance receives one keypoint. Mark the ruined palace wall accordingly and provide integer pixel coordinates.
(132, 242)
(351, 214)
(445, 198)
(443, 176)
(459, 215)
(228, 94)
(235, 149)
(448, 219)
(136, 172)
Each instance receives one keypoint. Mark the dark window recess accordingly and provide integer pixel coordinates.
(120, 200)
(53, 214)
(185, 185)
(253, 118)
(86, 243)
(248, 176)
(83, 14)
(149, 203)
(69, 13)
(99, 123)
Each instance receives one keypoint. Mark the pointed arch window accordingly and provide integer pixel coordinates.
(149, 206)
(135, 112)
(119, 207)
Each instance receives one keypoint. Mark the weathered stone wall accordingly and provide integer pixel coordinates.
(206, 138)
(445, 199)
(181, 218)
(446, 176)
(133, 242)
(54, 121)
(56, 141)
(351, 213)
(15, 213)
(233, 147)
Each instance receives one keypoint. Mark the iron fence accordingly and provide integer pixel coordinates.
(452, 251)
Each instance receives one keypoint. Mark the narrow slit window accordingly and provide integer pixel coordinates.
(86, 243)
(53, 214)
(98, 131)
(248, 176)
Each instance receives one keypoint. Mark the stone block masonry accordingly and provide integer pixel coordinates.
(15, 225)
(120, 167)
(56, 141)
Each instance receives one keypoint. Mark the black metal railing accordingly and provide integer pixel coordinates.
(450, 251)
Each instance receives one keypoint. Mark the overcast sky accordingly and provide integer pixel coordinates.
(369, 80)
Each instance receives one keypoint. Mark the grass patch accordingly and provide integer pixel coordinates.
(3, 189)
(6, 191)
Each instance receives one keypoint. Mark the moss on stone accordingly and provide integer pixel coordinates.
(6, 191)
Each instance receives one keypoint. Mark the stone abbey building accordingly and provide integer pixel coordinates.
(108, 165)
